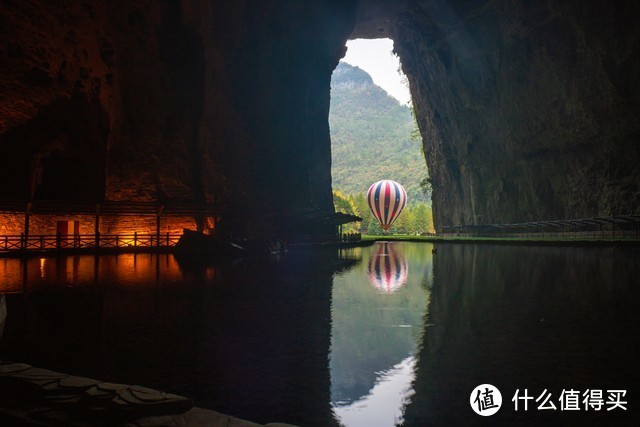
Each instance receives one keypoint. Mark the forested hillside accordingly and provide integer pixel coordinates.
(371, 137)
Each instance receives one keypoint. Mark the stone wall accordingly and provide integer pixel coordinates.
(128, 224)
(182, 101)
(528, 110)
(11, 224)
(46, 224)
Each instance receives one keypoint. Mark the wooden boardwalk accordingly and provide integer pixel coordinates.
(45, 242)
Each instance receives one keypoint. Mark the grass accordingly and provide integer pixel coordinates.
(516, 240)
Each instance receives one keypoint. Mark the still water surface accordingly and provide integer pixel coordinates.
(380, 336)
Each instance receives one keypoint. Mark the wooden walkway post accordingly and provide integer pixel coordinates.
(27, 213)
(96, 228)
(159, 213)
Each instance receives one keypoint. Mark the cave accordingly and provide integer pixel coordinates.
(527, 110)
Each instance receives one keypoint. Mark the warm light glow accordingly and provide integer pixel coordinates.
(42, 267)
(44, 229)
(11, 224)
(11, 274)
(211, 273)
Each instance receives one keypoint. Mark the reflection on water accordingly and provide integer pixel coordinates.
(309, 341)
(530, 318)
(385, 402)
(250, 339)
(10, 275)
(376, 331)
(36, 274)
(388, 268)
(3, 315)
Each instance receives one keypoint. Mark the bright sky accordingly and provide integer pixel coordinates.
(376, 58)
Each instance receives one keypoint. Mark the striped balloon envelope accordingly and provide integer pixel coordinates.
(386, 200)
(388, 268)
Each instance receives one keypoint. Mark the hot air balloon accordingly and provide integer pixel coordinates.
(388, 268)
(386, 200)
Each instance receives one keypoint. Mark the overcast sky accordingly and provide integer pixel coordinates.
(375, 57)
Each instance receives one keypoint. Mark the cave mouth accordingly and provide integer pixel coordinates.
(374, 135)
(378, 59)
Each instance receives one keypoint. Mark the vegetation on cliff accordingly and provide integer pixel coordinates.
(373, 137)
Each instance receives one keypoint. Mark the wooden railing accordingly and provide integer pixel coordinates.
(72, 241)
(543, 234)
(609, 227)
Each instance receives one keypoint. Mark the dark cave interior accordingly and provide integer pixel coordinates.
(527, 110)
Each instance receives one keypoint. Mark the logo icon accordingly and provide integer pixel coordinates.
(485, 400)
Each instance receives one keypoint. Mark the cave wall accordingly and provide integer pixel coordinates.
(99, 95)
(528, 110)
(187, 100)
(274, 71)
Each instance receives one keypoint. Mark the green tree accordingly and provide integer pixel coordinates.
(374, 228)
(360, 201)
(423, 218)
(400, 224)
(345, 204)
(409, 220)
(373, 137)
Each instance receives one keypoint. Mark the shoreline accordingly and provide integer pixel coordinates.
(366, 241)
(509, 241)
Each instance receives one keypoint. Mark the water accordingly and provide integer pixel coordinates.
(378, 312)
(384, 335)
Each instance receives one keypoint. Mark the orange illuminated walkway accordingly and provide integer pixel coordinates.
(77, 241)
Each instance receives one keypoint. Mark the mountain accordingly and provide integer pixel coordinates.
(371, 136)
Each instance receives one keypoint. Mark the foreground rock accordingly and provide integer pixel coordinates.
(34, 396)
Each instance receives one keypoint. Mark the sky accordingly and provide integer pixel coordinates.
(376, 58)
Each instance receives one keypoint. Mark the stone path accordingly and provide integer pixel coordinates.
(34, 396)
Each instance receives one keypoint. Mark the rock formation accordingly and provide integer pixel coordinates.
(527, 109)
(169, 101)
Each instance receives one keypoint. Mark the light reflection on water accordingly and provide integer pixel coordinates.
(34, 274)
(11, 275)
(378, 312)
(246, 338)
(3, 314)
(384, 404)
(312, 341)
(388, 267)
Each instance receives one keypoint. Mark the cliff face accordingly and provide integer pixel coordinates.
(99, 99)
(176, 100)
(528, 110)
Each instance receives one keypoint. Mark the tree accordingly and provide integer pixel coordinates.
(360, 201)
(373, 137)
(410, 220)
(346, 204)
(373, 227)
(423, 218)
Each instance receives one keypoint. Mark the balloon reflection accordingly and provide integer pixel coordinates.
(388, 268)
(376, 331)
